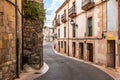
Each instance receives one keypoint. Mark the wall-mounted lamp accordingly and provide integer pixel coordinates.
(73, 23)
(104, 34)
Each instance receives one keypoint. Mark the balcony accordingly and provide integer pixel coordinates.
(72, 12)
(63, 18)
(57, 22)
(87, 4)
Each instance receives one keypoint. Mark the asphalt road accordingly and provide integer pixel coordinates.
(62, 68)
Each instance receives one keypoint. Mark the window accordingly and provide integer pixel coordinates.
(90, 1)
(90, 26)
(61, 44)
(64, 31)
(74, 31)
(58, 16)
(73, 3)
(65, 11)
(58, 32)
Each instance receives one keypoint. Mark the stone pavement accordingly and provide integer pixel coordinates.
(114, 74)
(31, 74)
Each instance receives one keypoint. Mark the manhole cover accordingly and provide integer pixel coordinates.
(37, 73)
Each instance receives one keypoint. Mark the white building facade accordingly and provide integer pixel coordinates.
(89, 30)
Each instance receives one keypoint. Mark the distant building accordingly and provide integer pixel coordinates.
(89, 30)
(48, 34)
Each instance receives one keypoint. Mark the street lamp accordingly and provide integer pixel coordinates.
(73, 23)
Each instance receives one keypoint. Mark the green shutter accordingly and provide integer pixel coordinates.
(90, 26)
(90, 1)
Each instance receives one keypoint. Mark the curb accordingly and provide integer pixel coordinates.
(31, 75)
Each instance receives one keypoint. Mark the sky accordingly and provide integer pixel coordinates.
(51, 6)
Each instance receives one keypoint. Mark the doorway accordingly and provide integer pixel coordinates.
(64, 47)
(58, 46)
(81, 50)
(111, 53)
(90, 52)
(74, 49)
(119, 53)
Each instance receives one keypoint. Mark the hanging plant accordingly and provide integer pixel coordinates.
(33, 11)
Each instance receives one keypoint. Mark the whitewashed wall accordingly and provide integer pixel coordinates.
(111, 15)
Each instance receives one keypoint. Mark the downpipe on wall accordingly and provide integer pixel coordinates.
(17, 35)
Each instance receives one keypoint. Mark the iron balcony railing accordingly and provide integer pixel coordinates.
(72, 12)
(87, 4)
(58, 22)
(63, 18)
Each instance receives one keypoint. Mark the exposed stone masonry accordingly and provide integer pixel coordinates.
(7, 41)
(33, 48)
(32, 44)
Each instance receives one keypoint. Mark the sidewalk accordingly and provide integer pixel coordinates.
(32, 74)
(115, 75)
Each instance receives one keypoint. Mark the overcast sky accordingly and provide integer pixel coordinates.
(51, 6)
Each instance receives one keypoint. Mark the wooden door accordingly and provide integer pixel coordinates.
(111, 54)
(74, 49)
(119, 19)
(64, 47)
(59, 46)
(81, 50)
(90, 52)
(119, 53)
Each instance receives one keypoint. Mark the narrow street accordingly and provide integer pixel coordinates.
(62, 68)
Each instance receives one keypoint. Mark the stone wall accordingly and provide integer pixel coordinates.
(33, 41)
(33, 45)
(7, 40)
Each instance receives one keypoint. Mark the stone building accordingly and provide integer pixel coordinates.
(88, 30)
(48, 34)
(8, 47)
(11, 36)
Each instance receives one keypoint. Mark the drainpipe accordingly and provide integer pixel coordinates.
(22, 36)
(68, 28)
(17, 34)
(17, 40)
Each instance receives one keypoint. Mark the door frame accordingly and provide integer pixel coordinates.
(81, 57)
(74, 49)
(108, 64)
(65, 47)
(58, 46)
(92, 53)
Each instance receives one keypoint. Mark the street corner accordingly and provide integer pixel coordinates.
(31, 75)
